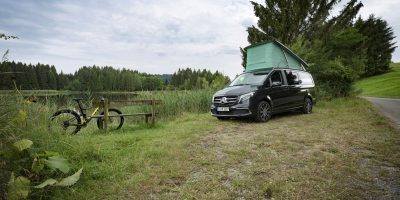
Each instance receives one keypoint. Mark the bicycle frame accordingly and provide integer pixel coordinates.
(85, 118)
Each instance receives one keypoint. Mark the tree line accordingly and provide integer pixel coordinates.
(95, 78)
(339, 49)
(191, 79)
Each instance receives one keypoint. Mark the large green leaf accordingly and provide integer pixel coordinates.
(70, 180)
(23, 144)
(56, 162)
(37, 165)
(51, 153)
(18, 188)
(47, 182)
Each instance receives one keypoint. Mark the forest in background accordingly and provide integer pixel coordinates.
(95, 78)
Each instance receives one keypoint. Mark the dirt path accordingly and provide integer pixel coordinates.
(389, 107)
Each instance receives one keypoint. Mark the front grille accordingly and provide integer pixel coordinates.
(230, 101)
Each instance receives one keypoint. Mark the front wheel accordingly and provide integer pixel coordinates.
(263, 112)
(307, 106)
(114, 121)
(65, 121)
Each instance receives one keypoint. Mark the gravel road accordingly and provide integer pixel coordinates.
(389, 107)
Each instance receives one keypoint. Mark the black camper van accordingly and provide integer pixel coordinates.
(275, 80)
(259, 94)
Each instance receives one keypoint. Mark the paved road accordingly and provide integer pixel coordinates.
(389, 107)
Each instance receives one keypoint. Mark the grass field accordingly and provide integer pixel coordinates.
(344, 150)
(384, 85)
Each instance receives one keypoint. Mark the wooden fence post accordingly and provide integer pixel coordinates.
(105, 122)
(153, 114)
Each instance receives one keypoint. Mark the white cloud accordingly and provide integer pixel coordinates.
(149, 36)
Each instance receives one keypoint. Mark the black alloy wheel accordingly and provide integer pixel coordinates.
(308, 105)
(263, 112)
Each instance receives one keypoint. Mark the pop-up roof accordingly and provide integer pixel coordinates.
(272, 54)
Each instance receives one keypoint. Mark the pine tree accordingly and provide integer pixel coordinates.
(379, 44)
(52, 78)
(287, 20)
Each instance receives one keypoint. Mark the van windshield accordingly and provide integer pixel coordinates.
(249, 79)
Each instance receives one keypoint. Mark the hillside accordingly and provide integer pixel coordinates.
(384, 85)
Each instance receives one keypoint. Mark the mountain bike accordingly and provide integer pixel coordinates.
(71, 122)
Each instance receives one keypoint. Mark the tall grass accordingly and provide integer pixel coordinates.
(175, 103)
(22, 119)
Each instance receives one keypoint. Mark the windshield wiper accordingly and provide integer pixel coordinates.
(261, 73)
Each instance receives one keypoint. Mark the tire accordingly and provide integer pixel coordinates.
(307, 106)
(67, 121)
(263, 112)
(113, 122)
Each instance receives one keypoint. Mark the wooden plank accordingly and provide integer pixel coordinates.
(100, 104)
(105, 105)
(124, 115)
(143, 101)
(105, 114)
(152, 112)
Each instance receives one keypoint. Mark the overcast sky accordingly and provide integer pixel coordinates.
(153, 36)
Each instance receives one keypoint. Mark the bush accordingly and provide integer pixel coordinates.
(27, 166)
(335, 62)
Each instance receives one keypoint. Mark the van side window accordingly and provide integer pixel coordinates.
(306, 78)
(276, 77)
(292, 77)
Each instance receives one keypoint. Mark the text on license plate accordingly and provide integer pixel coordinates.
(223, 109)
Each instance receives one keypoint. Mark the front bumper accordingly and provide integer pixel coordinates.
(234, 111)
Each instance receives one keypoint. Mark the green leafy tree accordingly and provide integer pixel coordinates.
(331, 45)
(335, 63)
(379, 44)
(287, 20)
(191, 79)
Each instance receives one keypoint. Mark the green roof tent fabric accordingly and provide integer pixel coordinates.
(272, 54)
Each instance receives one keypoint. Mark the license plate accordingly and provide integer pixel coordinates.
(223, 109)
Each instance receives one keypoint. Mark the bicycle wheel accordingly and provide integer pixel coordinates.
(65, 121)
(113, 123)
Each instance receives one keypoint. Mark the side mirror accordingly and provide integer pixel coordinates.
(276, 83)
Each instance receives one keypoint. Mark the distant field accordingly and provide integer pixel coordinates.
(384, 85)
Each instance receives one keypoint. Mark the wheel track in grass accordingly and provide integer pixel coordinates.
(240, 159)
(344, 150)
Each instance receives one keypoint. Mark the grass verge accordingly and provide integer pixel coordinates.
(344, 150)
(384, 85)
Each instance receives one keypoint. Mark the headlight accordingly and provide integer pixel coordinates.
(245, 97)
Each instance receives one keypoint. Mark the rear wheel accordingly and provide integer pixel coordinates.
(65, 121)
(113, 123)
(263, 112)
(307, 106)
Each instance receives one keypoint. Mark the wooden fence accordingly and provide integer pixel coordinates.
(105, 105)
